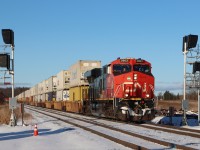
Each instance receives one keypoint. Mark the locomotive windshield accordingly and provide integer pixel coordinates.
(120, 69)
(142, 68)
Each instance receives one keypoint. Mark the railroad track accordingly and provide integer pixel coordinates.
(134, 141)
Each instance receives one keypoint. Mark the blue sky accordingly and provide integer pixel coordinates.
(52, 35)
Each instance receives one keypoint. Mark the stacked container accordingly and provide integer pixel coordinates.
(63, 78)
(51, 88)
(27, 96)
(78, 84)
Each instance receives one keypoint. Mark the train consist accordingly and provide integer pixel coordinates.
(123, 89)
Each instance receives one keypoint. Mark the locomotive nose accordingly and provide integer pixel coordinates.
(147, 91)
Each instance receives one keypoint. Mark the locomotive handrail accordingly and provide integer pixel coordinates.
(117, 90)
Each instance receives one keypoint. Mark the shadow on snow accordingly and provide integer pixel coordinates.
(29, 133)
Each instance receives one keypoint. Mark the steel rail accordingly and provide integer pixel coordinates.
(169, 145)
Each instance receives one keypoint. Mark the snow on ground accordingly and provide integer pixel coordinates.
(53, 134)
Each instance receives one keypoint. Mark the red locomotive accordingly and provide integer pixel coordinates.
(123, 89)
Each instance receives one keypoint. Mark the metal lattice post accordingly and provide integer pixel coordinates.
(198, 107)
(184, 121)
(12, 118)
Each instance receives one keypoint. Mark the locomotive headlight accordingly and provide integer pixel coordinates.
(126, 95)
(147, 95)
(135, 77)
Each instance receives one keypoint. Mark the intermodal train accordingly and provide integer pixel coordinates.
(122, 89)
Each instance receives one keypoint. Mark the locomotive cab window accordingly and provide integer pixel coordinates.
(142, 68)
(120, 69)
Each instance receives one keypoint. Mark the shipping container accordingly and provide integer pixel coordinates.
(65, 95)
(43, 87)
(63, 78)
(36, 91)
(62, 95)
(49, 96)
(59, 95)
(39, 88)
(27, 96)
(78, 69)
(78, 93)
(32, 92)
(54, 96)
(36, 98)
(54, 83)
(27, 93)
(43, 97)
(51, 84)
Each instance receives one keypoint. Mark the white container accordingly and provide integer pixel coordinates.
(63, 78)
(36, 98)
(46, 86)
(43, 86)
(32, 91)
(27, 94)
(39, 88)
(51, 84)
(21, 95)
(65, 95)
(35, 89)
(78, 69)
(54, 88)
(43, 97)
(59, 95)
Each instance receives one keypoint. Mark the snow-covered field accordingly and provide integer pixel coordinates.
(54, 134)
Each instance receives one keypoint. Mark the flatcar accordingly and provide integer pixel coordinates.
(123, 89)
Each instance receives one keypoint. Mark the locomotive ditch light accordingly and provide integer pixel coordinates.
(8, 36)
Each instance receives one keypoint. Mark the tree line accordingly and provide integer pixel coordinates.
(7, 92)
(167, 95)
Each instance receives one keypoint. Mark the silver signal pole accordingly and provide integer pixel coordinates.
(12, 118)
(198, 107)
(184, 86)
(12, 47)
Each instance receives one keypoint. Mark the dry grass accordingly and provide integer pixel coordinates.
(165, 104)
(5, 114)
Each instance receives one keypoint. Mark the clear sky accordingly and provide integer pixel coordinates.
(51, 35)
